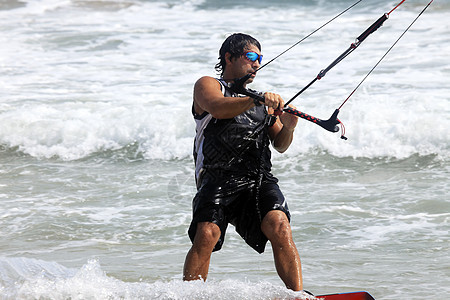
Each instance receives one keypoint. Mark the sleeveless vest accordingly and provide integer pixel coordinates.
(236, 147)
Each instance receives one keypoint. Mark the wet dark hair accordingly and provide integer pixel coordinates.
(235, 44)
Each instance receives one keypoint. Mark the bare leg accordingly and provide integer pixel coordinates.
(276, 227)
(196, 265)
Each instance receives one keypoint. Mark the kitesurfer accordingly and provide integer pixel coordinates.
(233, 166)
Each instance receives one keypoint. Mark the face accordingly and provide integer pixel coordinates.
(241, 66)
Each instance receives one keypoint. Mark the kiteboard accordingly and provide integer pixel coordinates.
(347, 296)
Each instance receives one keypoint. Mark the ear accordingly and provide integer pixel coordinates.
(228, 58)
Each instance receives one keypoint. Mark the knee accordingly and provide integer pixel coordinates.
(276, 226)
(207, 235)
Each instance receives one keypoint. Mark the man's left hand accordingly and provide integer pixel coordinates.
(289, 121)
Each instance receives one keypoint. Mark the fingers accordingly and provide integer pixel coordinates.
(289, 121)
(290, 105)
(273, 100)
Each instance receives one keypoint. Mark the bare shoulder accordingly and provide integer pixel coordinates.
(205, 82)
(205, 89)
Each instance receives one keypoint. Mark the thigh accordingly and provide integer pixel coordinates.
(208, 219)
(271, 198)
(209, 205)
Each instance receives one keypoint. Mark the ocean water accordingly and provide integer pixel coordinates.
(96, 169)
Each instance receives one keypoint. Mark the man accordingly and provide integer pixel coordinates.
(232, 156)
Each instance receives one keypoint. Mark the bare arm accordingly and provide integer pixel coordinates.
(208, 97)
(282, 132)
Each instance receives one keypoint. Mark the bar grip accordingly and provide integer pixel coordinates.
(372, 28)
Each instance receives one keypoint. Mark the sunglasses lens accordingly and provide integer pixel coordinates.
(253, 56)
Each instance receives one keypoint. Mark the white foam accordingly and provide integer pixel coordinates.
(50, 280)
(74, 85)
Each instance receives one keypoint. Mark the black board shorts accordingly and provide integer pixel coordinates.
(237, 205)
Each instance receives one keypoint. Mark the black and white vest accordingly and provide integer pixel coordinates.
(234, 147)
